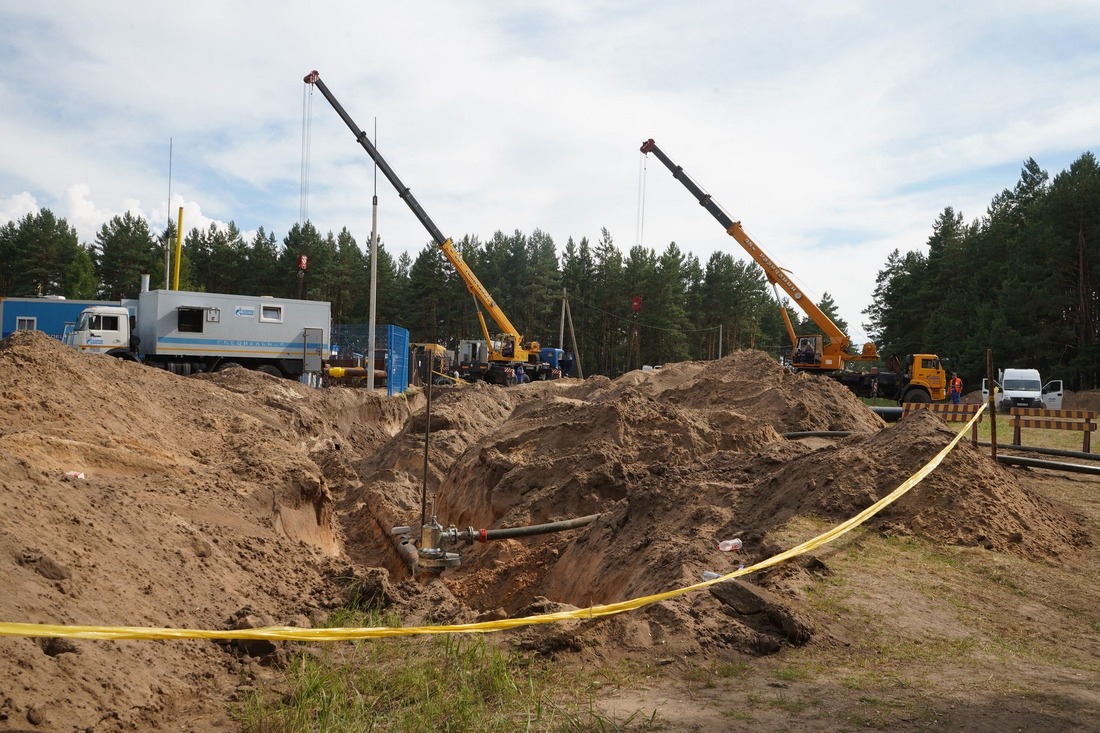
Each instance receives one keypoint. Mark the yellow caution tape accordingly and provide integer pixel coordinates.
(293, 633)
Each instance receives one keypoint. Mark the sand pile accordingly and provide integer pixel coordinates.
(237, 498)
(673, 460)
(196, 503)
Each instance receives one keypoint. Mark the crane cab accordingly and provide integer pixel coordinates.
(806, 353)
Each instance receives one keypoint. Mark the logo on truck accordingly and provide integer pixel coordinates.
(244, 311)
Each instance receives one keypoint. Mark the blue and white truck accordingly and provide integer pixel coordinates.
(187, 332)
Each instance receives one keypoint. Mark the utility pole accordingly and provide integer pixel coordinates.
(373, 272)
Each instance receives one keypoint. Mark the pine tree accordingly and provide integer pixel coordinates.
(124, 252)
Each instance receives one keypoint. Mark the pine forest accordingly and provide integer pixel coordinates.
(1022, 280)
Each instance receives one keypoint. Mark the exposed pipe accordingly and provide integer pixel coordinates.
(471, 535)
(406, 550)
(537, 529)
(1047, 451)
(1055, 465)
(889, 414)
(341, 372)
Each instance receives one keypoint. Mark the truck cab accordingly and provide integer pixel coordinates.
(1025, 388)
(102, 329)
(923, 379)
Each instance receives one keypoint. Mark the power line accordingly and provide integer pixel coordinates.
(307, 138)
(634, 321)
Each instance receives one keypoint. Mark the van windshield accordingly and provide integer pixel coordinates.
(1023, 385)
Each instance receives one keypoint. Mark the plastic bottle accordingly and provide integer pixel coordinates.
(729, 545)
(711, 575)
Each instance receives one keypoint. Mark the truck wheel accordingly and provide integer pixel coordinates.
(270, 369)
(917, 395)
(226, 365)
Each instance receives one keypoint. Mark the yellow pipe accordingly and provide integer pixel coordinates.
(341, 372)
(179, 247)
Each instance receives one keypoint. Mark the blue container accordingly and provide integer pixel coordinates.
(395, 341)
(49, 315)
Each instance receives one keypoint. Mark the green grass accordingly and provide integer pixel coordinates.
(1059, 439)
(435, 683)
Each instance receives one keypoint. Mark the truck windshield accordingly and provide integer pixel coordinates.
(1023, 385)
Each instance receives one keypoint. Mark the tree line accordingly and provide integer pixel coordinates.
(1023, 281)
(688, 309)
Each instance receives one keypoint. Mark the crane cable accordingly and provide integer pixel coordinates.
(307, 139)
(640, 224)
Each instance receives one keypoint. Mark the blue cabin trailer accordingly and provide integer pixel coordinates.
(49, 315)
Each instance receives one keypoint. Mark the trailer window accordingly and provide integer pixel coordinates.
(271, 314)
(189, 320)
(26, 323)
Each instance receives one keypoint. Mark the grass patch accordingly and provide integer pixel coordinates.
(436, 683)
(1072, 440)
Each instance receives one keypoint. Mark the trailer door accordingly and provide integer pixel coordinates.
(312, 345)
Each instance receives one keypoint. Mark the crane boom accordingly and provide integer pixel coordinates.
(834, 353)
(476, 288)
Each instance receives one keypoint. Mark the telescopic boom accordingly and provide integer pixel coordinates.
(834, 353)
(480, 293)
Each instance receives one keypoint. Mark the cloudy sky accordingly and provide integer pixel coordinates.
(835, 131)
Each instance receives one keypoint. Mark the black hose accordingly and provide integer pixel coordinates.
(1055, 465)
(889, 414)
(535, 529)
(1046, 451)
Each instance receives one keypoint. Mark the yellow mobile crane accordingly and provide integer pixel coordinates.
(513, 352)
(923, 378)
(807, 351)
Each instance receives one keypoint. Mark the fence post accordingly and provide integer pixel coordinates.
(992, 403)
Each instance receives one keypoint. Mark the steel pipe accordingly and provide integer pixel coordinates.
(1054, 465)
(1046, 451)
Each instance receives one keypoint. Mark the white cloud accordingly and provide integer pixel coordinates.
(16, 206)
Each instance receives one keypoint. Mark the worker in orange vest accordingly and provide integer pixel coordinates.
(955, 388)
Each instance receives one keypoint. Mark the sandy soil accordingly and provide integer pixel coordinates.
(237, 499)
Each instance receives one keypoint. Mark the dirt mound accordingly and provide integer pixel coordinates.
(751, 383)
(192, 502)
(1084, 400)
(970, 500)
(673, 460)
(235, 498)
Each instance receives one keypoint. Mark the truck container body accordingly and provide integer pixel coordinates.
(187, 332)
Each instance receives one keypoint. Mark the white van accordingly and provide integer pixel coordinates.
(1024, 388)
